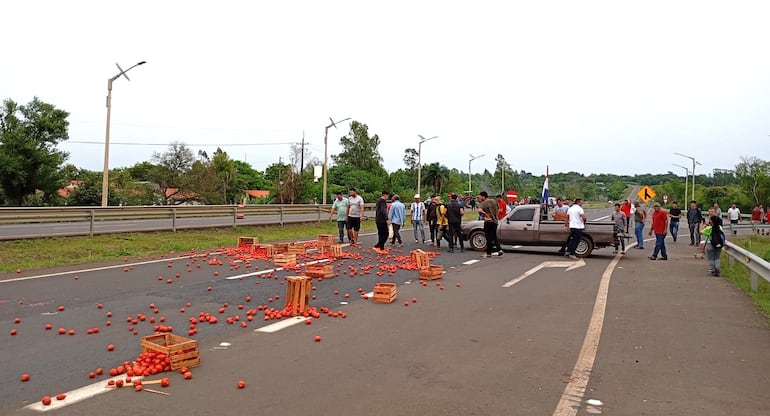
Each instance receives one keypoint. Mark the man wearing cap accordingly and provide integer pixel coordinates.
(454, 214)
(381, 221)
(417, 214)
(660, 228)
(340, 207)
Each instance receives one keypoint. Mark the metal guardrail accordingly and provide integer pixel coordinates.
(38, 215)
(756, 265)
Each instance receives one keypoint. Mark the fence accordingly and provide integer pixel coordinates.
(756, 265)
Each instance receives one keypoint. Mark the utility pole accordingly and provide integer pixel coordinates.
(302, 155)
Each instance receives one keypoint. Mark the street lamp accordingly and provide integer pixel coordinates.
(470, 191)
(694, 162)
(106, 172)
(419, 160)
(326, 147)
(686, 176)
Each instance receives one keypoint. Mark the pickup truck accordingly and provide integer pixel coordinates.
(528, 225)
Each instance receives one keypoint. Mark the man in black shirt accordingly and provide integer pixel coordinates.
(381, 220)
(454, 215)
(694, 219)
(674, 214)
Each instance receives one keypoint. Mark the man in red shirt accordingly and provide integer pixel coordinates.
(626, 208)
(500, 207)
(660, 228)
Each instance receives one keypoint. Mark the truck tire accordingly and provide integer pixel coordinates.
(584, 247)
(477, 240)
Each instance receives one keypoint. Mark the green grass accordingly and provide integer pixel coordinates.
(64, 251)
(740, 275)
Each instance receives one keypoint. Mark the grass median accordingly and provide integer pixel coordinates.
(739, 275)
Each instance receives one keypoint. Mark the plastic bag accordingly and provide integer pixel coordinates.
(390, 230)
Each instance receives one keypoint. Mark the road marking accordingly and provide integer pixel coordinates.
(570, 265)
(576, 387)
(266, 271)
(369, 295)
(79, 395)
(281, 325)
(606, 217)
(469, 262)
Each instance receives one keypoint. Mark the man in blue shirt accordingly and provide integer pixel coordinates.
(396, 217)
(340, 207)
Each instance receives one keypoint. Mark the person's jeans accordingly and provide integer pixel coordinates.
(382, 234)
(660, 246)
(433, 226)
(673, 228)
(455, 231)
(417, 225)
(639, 231)
(694, 233)
(396, 234)
(490, 232)
(575, 234)
(713, 256)
(341, 228)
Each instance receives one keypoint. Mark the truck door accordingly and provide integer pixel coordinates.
(520, 225)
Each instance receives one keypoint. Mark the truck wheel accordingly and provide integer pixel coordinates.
(478, 241)
(584, 247)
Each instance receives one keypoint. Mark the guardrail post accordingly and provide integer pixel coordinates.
(235, 217)
(173, 219)
(319, 213)
(281, 215)
(754, 281)
(91, 225)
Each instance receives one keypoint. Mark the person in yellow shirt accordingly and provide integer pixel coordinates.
(441, 221)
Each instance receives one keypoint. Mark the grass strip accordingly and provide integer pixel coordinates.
(739, 275)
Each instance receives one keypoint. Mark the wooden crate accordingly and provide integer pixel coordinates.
(334, 250)
(280, 248)
(319, 270)
(298, 294)
(297, 248)
(285, 259)
(421, 258)
(432, 272)
(385, 292)
(247, 243)
(267, 249)
(325, 239)
(181, 351)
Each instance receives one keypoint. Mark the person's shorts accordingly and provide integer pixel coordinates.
(354, 223)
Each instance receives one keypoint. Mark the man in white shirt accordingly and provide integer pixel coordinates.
(577, 223)
(418, 214)
(355, 215)
(734, 215)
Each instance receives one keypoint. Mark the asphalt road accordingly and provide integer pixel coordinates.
(672, 340)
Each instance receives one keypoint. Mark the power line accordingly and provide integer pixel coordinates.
(186, 144)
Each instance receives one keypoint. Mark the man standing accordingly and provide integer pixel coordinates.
(501, 205)
(454, 214)
(488, 209)
(619, 218)
(340, 207)
(381, 221)
(674, 214)
(577, 223)
(418, 213)
(717, 210)
(734, 215)
(639, 217)
(626, 208)
(560, 214)
(660, 228)
(694, 220)
(433, 220)
(355, 215)
(396, 216)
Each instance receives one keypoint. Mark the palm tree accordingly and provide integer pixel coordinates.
(434, 175)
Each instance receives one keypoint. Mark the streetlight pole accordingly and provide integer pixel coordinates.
(686, 177)
(326, 148)
(694, 162)
(419, 160)
(470, 190)
(106, 172)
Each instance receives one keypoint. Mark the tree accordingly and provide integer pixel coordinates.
(360, 149)
(411, 158)
(754, 177)
(434, 175)
(172, 167)
(224, 169)
(29, 160)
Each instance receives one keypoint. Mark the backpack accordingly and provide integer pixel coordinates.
(432, 211)
(717, 239)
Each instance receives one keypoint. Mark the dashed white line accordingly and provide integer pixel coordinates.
(469, 262)
(266, 271)
(281, 325)
(78, 395)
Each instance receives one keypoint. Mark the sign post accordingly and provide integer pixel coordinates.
(646, 194)
(511, 195)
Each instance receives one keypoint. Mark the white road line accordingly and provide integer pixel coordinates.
(78, 395)
(572, 397)
(369, 295)
(469, 262)
(281, 324)
(606, 217)
(266, 271)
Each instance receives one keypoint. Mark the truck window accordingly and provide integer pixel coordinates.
(522, 214)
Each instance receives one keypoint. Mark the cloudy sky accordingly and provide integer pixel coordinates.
(593, 86)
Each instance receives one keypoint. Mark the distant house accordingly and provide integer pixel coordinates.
(257, 195)
(176, 197)
(70, 188)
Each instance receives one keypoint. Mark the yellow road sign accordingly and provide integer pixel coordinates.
(646, 194)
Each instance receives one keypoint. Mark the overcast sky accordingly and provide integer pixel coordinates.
(593, 87)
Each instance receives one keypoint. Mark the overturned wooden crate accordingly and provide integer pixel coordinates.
(421, 258)
(432, 272)
(298, 294)
(325, 239)
(297, 248)
(285, 259)
(181, 351)
(248, 243)
(319, 270)
(334, 250)
(280, 248)
(265, 250)
(385, 292)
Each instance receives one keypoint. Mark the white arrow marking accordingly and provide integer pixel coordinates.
(570, 265)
